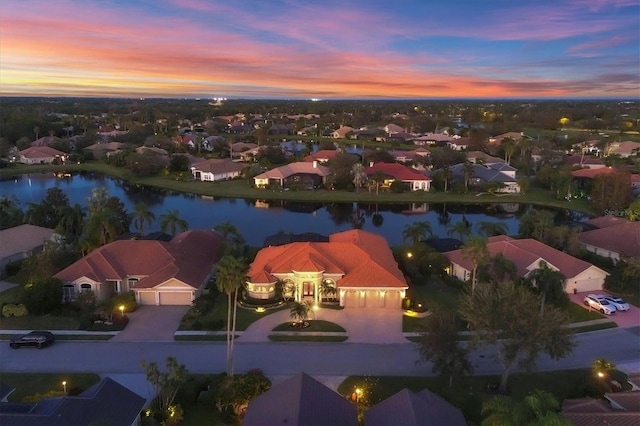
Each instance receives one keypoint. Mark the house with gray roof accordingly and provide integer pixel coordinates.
(300, 400)
(407, 408)
(499, 173)
(20, 242)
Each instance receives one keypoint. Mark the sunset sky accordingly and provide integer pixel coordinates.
(321, 49)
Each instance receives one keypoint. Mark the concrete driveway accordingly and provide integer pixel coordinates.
(6, 285)
(363, 325)
(152, 323)
(625, 319)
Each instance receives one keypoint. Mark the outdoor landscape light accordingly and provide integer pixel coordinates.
(64, 386)
(121, 310)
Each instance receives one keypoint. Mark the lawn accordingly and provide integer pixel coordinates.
(29, 384)
(579, 314)
(11, 295)
(314, 325)
(45, 322)
(468, 393)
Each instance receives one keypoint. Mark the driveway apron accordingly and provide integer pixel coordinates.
(152, 323)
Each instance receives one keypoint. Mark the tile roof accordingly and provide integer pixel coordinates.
(323, 154)
(41, 152)
(524, 253)
(300, 400)
(591, 173)
(45, 141)
(188, 257)
(583, 159)
(22, 239)
(407, 408)
(216, 165)
(621, 409)
(483, 156)
(285, 171)
(397, 171)
(483, 172)
(362, 258)
(615, 234)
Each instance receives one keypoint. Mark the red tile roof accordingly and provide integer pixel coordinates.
(322, 155)
(41, 152)
(188, 257)
(216, 165)
(524, 253)
(591, 173)
(362, 258)
(396, 171)
(615, 234)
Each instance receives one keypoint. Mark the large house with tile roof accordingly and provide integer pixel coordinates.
(411, 178)
(615, 237)
(497, 173)
(301, 174)
(158, 272)
(322, 156)
(617, 408)
(41, 155)
(358, 265)
(216, 169)
(527, 254)
(342, 132)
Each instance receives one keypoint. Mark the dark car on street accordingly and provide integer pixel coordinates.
(39, 339)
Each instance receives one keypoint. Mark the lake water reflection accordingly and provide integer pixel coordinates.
(258, 219)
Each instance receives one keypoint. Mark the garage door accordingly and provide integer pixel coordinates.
(392, 299)
(594, 284)
(351, 299)
(175, 298)
(147, 297)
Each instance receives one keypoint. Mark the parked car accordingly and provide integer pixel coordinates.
(618, 303)
(39, 339)
(599, 303)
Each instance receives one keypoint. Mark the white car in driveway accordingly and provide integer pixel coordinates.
(618, 303)
(599, 303)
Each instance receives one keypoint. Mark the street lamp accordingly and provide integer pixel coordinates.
(121, 311)
(64, 386)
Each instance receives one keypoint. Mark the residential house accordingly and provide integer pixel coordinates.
(217, 169)
(342, 132)
(391, 128)
(22, 241)
(459, 144)
(46, 141)
(497, 173)
(623, 149)
(402, 156)
(479, 157)
(41, 155)
(408, 408)
(151, 149)
(301, 174)
(585, 161)
(527, 254)
(323, 156)
(514, 136)
(300, 400)
(411, 178)
(106, 403)
(439, 139)
(619, 408)
(103, 149)
(615, 237)
(158, 272)
(359, 265)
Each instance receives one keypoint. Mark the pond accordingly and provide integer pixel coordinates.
(257, 219)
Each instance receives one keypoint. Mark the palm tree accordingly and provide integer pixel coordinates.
(142, 214)
(300, 311)
(100, 228)
(230, 277)
(171, 220)
(327, 289)
(446, 174)
(508, 146)
(602, 366)
(497, 269)
(548, 283)
(357, 171)
(475, 249)
(468, 171)
(491, 229)
(71, 222)
(459, 228)
(227, 229)
(378, 178)
(537, 408)
(417, 231)
(36, 132)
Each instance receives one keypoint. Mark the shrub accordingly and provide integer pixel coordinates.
(234, 393)
(13, 310)
(43, 296)
(13, 268)
(128, 300)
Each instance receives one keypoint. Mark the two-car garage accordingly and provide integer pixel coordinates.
(390, 298)
(172, 292)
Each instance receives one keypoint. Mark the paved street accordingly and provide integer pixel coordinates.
(282, 359)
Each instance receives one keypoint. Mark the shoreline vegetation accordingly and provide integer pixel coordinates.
(241, 189)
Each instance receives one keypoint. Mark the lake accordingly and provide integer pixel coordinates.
(257, 219)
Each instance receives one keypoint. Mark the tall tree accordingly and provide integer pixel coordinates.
(491, 229)
(537, 408)
(10, 213)
(549, 284)
(446, 175)
(468, 172)
(536, 224)
(439, 345)
(71, 223)
(502, 317)
(378, 179)
(497, 269)
(611, 192)
(165, 384)
(300, 311)
(230, 278)
(460, 228)
(475, 250)
(417, 231)
(508, 147)
(142, 214)
(172, 221)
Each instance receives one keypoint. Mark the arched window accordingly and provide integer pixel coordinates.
(68, 292)
(85, 287)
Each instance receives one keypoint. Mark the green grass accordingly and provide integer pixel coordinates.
(11, 295)
(468, 393)
(241, 188)
(32, 322)
(579, 314)
(30, 383)
(412, 324)
(594, 327)
(282, 338)
(201, 338)
(314, 325)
